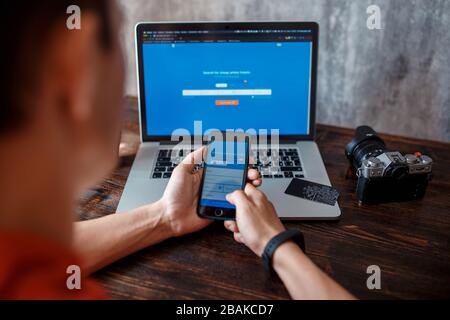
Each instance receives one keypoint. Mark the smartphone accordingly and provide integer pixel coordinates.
(225, 170)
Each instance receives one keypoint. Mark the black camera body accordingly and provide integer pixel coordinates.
(386, 176)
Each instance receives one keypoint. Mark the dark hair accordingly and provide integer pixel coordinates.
(24, 30)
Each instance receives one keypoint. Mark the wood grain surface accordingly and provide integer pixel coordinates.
(410, 241)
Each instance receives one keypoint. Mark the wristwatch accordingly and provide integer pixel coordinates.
(275, 242)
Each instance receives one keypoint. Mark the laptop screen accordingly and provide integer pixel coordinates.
(229, 79)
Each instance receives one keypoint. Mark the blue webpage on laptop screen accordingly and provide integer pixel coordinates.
(233, 85)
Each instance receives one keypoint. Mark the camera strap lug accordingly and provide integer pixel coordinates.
(358, 172)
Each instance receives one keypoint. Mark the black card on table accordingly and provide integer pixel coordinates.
(312, 191)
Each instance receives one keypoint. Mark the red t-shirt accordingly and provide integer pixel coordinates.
(35, 268)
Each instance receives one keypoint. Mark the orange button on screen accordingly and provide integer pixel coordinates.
(227, 102)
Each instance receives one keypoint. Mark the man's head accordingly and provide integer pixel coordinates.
(61, 89)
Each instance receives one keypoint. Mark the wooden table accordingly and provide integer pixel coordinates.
(410, 242)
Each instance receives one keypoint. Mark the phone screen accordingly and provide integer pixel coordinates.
(225, 172)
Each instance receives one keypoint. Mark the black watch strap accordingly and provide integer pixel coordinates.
(275, 242)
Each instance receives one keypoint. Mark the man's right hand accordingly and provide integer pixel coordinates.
(256, 220)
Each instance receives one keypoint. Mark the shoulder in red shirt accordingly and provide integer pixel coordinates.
(32, 267)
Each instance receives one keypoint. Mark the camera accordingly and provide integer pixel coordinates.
(386, 176)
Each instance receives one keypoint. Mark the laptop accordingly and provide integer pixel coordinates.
(258, 77)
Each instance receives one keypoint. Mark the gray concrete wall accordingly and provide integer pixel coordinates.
(396, 79)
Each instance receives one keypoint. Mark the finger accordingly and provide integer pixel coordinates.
(252, 174)
(238, 237)
(254, 194)
(231, 226)
(250, 190)
(201, 223)
(198, 173)
(237, 197)
(192, 159)
(257, 182)
(254, 177)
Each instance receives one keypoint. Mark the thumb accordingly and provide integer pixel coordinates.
(192, 159)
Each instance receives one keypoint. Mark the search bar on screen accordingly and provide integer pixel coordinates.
(228, 92)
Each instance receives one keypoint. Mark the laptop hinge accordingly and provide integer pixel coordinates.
(288, 141)
(281, 140)
(172, 143)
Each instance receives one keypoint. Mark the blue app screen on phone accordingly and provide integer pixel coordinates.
(225, 169)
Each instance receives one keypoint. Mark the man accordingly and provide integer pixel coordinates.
(59, 134)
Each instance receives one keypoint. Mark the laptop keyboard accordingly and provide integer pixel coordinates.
(276, 164)
(167, 161)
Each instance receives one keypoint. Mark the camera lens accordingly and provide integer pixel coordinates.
(365, 144)
(397, 171)
(365, 150)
